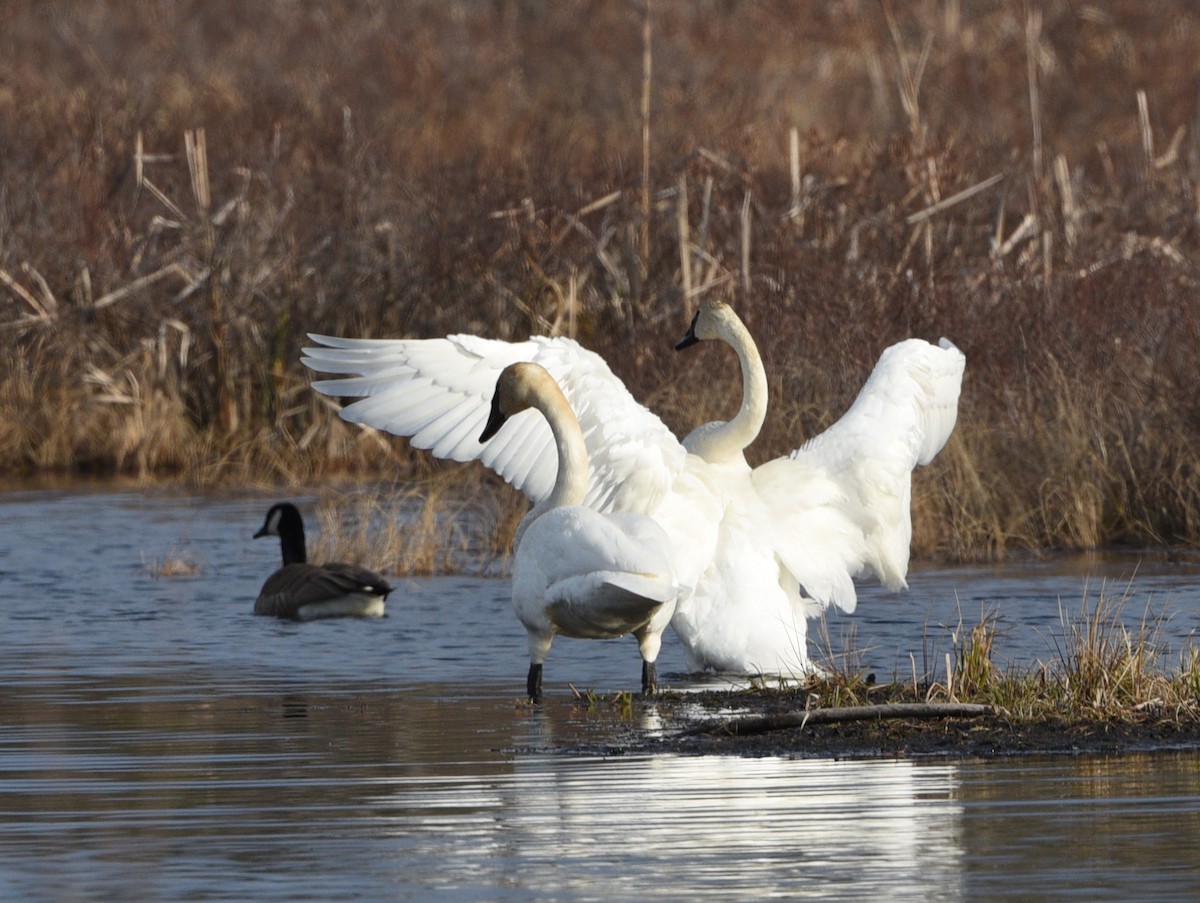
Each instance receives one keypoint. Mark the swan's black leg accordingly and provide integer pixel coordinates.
(533, 683)
(649, 678)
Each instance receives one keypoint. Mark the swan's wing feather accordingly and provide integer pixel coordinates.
(848, 490)
(633, 458)
(437, 392)
(903, 414)
(816, 530)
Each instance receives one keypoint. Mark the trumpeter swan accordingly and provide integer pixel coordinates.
(797, 530)
(579, 572)
(305, 592)
(761, 549)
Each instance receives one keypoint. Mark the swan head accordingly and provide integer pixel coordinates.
(516, 389)
(713, 320)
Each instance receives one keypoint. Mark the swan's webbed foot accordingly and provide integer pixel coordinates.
(649, 678)
(533, 683)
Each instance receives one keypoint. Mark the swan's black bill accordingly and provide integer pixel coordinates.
(496, 419)
(690, 339)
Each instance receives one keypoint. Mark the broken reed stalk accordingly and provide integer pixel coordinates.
(1033, 38)
(647, 63)
(685, 242)
(746, 242)
(761, 724)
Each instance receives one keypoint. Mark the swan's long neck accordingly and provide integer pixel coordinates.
(570, 484)
(728, 440)
(744, 428)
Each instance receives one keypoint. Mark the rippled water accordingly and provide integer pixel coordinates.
(159, 742)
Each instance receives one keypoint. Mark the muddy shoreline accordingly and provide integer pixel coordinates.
(707, 724)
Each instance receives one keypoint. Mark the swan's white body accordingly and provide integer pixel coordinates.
(580, 572)
(797, 530)
(763, 549)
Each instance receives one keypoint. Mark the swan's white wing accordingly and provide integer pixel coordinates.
(437, 392)
(903, 414)
(842, 499)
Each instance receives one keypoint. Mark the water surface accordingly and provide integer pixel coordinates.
(158, 742)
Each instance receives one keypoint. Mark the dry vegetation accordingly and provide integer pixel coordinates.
(188, 187)
(1104, 687)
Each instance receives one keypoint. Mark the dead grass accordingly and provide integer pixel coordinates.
(176, 562)
(186, 194)
(433, 525)
(1098, 668)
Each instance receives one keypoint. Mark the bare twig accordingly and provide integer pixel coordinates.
(746, 242)
(947, 203)
(1033, 40)
(140, 283)
(24, 294)
(761, 724)
(647, 61)
(685, 238)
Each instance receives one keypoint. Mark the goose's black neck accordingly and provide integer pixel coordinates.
(284, 521)
(291, 541)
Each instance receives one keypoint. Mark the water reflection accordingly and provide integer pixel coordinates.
(405, 792)
(1096, 828)
(377, 787)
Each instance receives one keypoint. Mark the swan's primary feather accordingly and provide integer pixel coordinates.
(437, 393)
(840, 503)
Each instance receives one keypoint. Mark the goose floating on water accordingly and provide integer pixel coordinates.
(305, 592)
(579, 572)
(762, 549)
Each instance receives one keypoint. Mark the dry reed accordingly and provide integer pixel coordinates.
(188, 197)
(1099, 668)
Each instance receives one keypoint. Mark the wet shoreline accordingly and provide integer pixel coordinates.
(702, 724)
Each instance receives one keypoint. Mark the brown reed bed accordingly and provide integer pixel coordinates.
(183, 196)
(432, 525)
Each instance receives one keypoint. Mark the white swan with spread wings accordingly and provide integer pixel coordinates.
(763, 548)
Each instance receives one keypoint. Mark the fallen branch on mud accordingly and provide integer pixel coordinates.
(761, 724)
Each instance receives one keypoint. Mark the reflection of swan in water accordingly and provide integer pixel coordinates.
(577, 571)
(724, 827)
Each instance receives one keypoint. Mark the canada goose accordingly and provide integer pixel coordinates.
(761, 549)
(579, 572)
(304, 591)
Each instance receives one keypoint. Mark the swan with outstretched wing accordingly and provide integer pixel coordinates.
(762, 549)
(797, 530)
